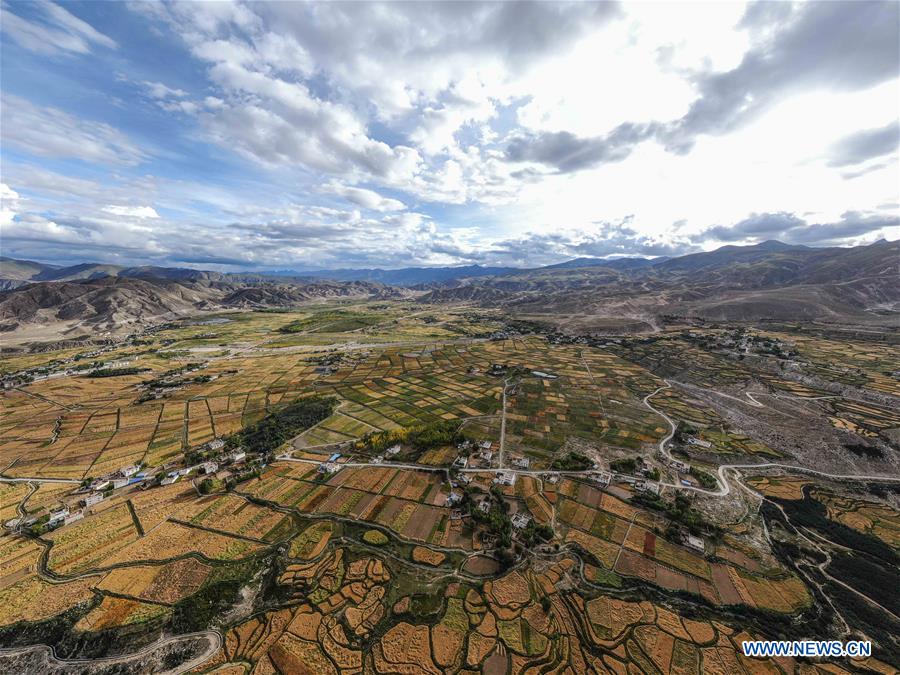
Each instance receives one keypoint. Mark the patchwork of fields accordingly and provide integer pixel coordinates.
(353, 563)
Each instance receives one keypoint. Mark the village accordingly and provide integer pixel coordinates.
(219, 464)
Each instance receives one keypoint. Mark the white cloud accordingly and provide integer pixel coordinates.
(368, 199)
(56, 32)
(50, 132)
(132, 211)
(9, 204)
(495, 128)
(160, 90)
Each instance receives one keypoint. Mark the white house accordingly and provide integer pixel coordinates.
(453, 498)
(505, 478)
(601, 478)
(461, 462)
(119, 483)
(647, 486)
(521, 462)
(209, 467)
(168, 480)
(58, 516)
(680, 466)
(329, 467)
(93, 498)
(238, 456)
(520, 520)
(216, 444)
(393, 450)
(699, 441)
(484, 445)
(695, 543)
(72, 517)
(128, 471)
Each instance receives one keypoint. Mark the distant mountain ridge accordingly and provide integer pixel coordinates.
(627, 263)
(770, 280)
(766, 281)
(410, 276)
(407, 276)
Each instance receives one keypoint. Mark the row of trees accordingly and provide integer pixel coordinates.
(115, 372)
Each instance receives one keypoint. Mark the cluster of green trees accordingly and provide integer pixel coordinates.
(210, 485)
(164, 380)
(86, 366)
(420, 437)
(573, 461)
(865, 450)
(705, 479)
(631, 465)
(294, 327)
(625, 465)
(40, 526)
(535, 533)
(678, 511)
(496, 518)
(682, 431)
(498, 523)
(281, 425)
(220, 591)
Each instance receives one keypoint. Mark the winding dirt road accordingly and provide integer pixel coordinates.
(213, 639)
(724, 488)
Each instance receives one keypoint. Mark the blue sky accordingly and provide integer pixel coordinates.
(301, 135)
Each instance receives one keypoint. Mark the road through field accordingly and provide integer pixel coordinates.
(213, 639)
(724, 488)
(74, 481)
(662, 444)
(503, 424)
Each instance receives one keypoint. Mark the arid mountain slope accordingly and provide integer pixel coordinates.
(768, 281)
(284, 295)
(46, 310)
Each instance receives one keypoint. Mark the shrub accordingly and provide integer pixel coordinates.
(375, 537)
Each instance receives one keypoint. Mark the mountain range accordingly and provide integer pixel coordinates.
(15, 273)
(770, 280)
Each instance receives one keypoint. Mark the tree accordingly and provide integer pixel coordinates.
(209, 485)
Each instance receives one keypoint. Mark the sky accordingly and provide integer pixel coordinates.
(290, 135)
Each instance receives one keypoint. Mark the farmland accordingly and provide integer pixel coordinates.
(380, 486)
